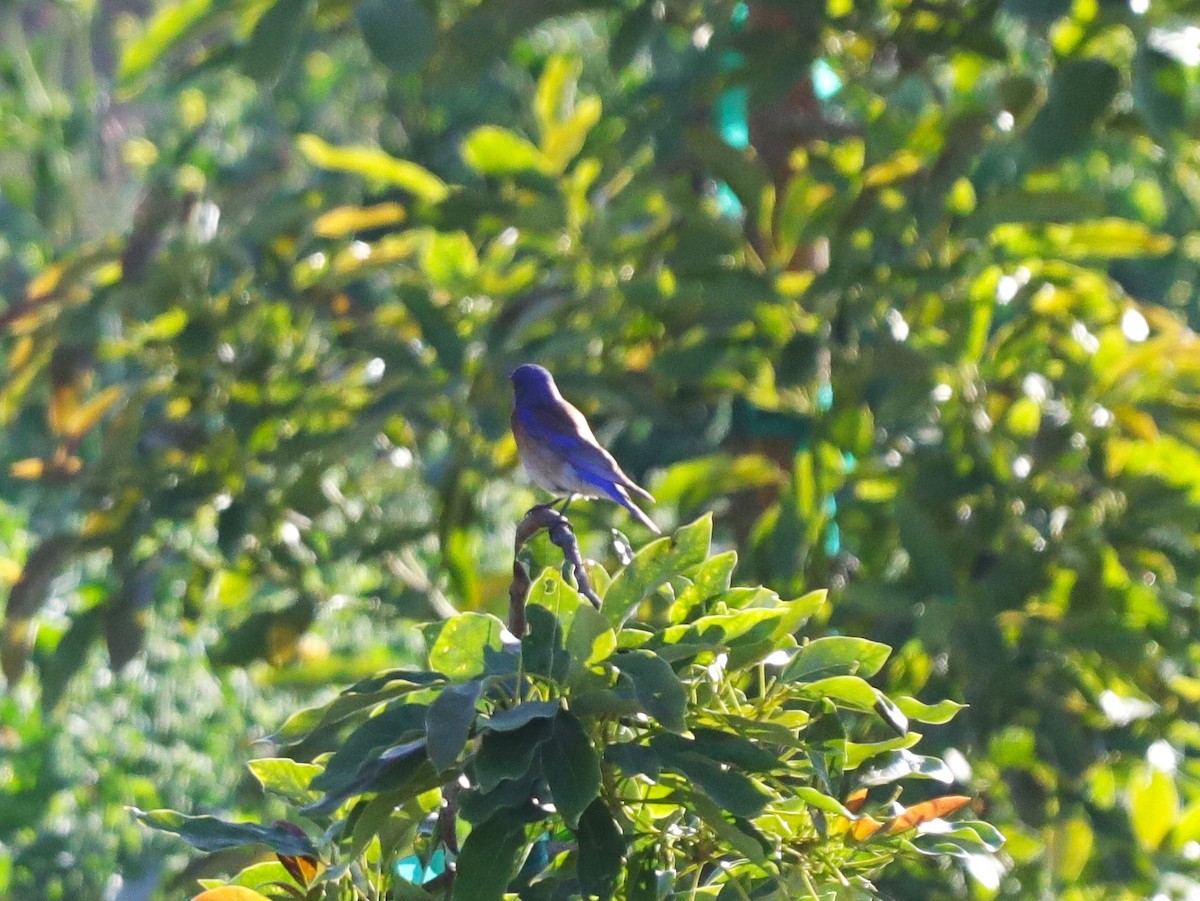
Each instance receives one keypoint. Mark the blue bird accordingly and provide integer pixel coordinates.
(558, 449)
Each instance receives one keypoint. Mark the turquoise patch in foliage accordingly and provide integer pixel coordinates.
(411, 869)
(825, 81)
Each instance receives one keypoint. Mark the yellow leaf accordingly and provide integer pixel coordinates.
(29, 468)
(901, 165)
(562, 142)
(64, 401)
(1153, 806)
(373, 164)
(344, 220)
(42, 284)
(793, 284)
(83, 416)
(1137, 422)
(556, 84)
(1070, 845)
(22, 352)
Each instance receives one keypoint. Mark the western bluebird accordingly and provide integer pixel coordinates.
(558, 449)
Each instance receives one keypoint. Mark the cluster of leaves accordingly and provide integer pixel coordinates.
(922, 338)
(678, 739)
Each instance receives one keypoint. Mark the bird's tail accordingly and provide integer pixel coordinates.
(621, 496)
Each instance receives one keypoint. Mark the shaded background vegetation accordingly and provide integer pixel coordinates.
(900, 290)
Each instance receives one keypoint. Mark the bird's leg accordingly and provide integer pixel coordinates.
(549, 505)
(566, 502)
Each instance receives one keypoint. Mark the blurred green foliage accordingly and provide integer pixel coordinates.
(924, 338)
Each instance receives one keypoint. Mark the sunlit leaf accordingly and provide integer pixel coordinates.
(285, 777)
(375, 165)
(1153, 806)
(168, 26)
(491, 150)
(653, 565)
(345, 220)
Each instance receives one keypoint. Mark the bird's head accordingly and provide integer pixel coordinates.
(531, 381)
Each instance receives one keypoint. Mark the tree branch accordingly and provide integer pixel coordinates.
(562, 535)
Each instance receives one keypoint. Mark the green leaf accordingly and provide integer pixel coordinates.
(899, 764)
(508, 755)
(726, 747)
(858, 753)
(70, 655)
(476, 806)
(705, 581)
(715, 818)
(962, 841)
(562, 142)
(851, 691)
(375, 165)
(601, 851)
(821, 801)
(449, 721)
(553, 593)
(590, 639)
(554, 88)
(465, 643)
(1081, 91)
(210, 834)
(162, 32)
(655, 564)
(1153, 806)
(449, 258)
(658, 690)
(273, 42)
(542, 651)
(936, 714)
(286, 777)
(890, 713)
(731, 789)
(572, 767)
(488, 859)
(836, 656)
(1099, 239)
(491, 150)
(404, 769)
(399, 33)
(517, 717)
(395, 724)
(746, 176)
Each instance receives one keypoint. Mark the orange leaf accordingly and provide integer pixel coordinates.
(926, 811)
(303, 869)
(856, 800)
(864, 827)
(231, 893)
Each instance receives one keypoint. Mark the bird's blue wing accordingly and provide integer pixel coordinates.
(563, 428)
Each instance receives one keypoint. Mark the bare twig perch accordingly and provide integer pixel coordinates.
(562, 535)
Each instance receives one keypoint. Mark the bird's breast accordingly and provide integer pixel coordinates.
(546, 467)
